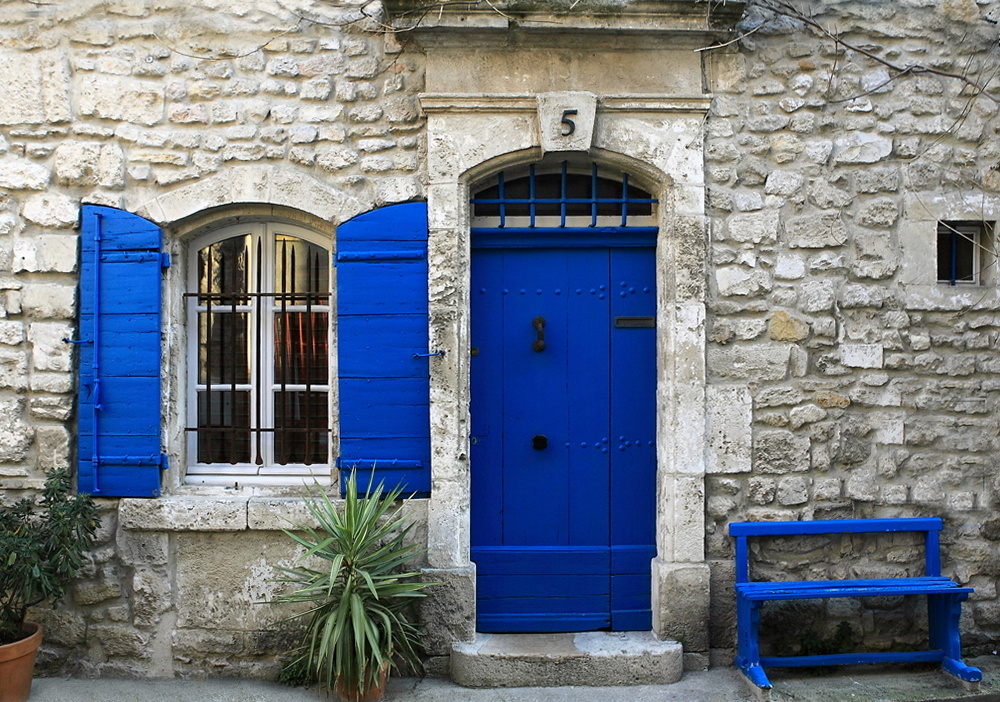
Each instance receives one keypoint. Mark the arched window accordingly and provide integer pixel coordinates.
(258, 304)
(563, 194)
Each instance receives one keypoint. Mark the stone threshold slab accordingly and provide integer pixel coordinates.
(552, 660)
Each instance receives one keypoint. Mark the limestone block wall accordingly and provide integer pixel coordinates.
(109, 105)
(168, 109)
(844, 381)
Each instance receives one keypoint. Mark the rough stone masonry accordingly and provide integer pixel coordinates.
(842, 380)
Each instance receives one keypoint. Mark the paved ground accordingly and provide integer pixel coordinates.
(900, 684)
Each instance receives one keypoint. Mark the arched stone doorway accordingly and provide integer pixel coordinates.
(471, 137)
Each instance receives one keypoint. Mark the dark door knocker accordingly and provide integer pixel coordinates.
(539, 324)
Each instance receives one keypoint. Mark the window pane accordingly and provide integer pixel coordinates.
(300, 348)
(300, 267)
(957, 242)
(301, 427)
(223, 270)
(223, 348)
(262, 317)
(223, 427)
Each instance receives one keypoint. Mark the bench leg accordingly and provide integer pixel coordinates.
(943, 615)
(747, 647)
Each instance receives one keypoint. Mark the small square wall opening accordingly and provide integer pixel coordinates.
(964, 251)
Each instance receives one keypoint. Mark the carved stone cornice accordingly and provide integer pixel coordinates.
(545, 22)
(457, 103)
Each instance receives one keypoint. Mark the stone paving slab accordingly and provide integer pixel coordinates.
(719, 685)
(904, 683)
(855, 684)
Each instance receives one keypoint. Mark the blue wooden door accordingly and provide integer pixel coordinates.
(563, 430)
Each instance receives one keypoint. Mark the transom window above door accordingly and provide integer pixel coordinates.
(571, 193)
(258, 304)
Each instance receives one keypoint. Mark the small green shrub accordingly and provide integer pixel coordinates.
(42, 546)
(295, 672)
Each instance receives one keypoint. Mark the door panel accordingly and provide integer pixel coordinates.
(633, 421)
(546, 536)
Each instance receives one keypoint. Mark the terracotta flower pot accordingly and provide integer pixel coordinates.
(17, 665)
(372, 693)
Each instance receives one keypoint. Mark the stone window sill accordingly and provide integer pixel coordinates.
(186, 513)
(946, 298)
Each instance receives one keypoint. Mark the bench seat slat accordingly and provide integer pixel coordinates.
(847, 588)
(860, 582)
(835, 526)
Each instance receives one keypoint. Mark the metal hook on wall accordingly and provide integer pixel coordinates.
(439, 352)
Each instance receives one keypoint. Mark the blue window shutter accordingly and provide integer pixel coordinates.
(118, 406)
(381, 325)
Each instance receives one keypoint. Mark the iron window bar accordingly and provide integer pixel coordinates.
(625, 202)
(954, 255)
(959, 250)
(230, 441)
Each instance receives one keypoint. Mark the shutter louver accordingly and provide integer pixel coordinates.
(118, 407)
(381, 326)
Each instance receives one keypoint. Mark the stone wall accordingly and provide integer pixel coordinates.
(110, 106)
(843, 381)
(862, 386)
(179, 587)
(167, 109)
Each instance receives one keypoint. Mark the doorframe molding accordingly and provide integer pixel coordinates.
(658, 140)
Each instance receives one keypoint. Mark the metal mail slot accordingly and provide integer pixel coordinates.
(635, 322)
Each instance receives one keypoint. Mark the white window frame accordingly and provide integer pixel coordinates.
(270, 473)
(979, 232)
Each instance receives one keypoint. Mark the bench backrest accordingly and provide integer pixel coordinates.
(741, 531)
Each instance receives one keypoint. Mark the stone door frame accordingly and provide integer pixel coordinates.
(658, 140)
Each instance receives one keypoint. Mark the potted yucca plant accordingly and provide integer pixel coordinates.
(357, 591)
(42, 546)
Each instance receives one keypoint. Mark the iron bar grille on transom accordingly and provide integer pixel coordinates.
(564, 198)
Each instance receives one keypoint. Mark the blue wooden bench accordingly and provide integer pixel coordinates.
(944, 598)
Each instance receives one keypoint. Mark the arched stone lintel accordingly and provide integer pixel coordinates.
(641, 174)
(255, 185)
(235, 213)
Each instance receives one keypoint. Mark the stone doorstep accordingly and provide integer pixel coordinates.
(553, 660)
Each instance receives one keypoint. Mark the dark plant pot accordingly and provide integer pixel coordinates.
(17, 665)
(373, 693)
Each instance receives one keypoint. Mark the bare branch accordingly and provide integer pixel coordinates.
(786, 9)
(221, 56)
(731, 41)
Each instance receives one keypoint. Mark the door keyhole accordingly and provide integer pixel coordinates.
(539, 442)
(539, 324)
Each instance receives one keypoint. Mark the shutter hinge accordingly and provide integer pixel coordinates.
(164, 463)
(165, 260)
(129, 256)
(130, 460)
